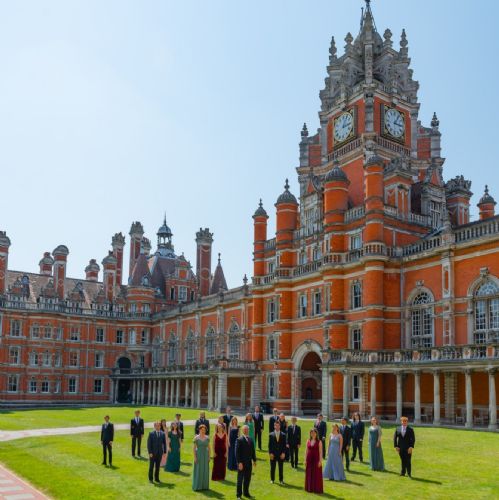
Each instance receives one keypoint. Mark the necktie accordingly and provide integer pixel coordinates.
(277, 437)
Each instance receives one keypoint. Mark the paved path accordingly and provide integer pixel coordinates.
(14, 488)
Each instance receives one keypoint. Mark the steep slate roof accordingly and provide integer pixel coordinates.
(218, 283)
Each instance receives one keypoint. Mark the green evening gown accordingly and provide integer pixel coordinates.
(251, 426)
(376, 461)
(173, 460)
(201, 472)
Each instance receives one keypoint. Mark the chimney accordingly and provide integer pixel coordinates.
(136, 233)
(118, 243)
(109, 263)
(92, 271)
(60, 256)
(4, 260)
(204, 241)
(46, 264)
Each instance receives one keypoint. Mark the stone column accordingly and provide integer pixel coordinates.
(167, 387)
(362, 399)
(186, 392)
(155, 392)
(210, 392)
(116, 385)
(256, 390)
(172, 392)
(450, 393)
(373, 394)
(111, 391)
(142, 391)
(436, 398)
(492, 401)
(177, 392)
(198, 399)
(469, 400)
(222, 391)
(399, 396)
(160, 391)
(243, 393)
(346, 381)
(326, 409)
(417, 397)
(193, 392)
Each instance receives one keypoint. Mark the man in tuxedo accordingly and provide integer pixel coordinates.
(227, 418)
(346, 432)
(259, 425)
(180, 426)
(273, 419)
(156, 447)
(277, 452)
(294, 442)
(106, 439)
(136, 431)
(404, 440)
(357, 436)
(202, 420)
(246, 460)
(321, 427)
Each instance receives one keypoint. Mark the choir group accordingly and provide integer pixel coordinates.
(233, 447)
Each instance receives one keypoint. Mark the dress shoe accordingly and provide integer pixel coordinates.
(103, 463)
(281, 482)
(271, 482)
(402, 474)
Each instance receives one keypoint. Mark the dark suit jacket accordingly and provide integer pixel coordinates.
(284, 425)
(107, 433)
(404, 442)
(156, 445)
(346, 432)
(245, 450)
(259, 422)
(199, 422)
(321, 429)
(180, 428)
(137, 429)
(276, 448)
(358, 430)
(294, 438)
(272, 420)
(227, 419)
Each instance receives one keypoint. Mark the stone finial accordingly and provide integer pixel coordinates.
(486, 198)
(245, 280)
(136, 230)
(435, 122)
(304, 131)
(403, 43)
(348, 40)
(332, 51)
(387, 35)
(260, 211)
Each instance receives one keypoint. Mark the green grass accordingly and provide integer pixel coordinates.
(73, 417)
(447, 464)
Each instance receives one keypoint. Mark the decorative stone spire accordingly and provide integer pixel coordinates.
(304, 131)
(435, 122)
(332, 51)
(260, 211)
(286, 196)
(486, 198)
(348, 41)
(387, 35)
(403, 44)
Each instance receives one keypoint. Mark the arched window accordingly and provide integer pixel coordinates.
(172, 349)
(210, 344)
(190, 355)
(486, 311)
(234, 341)
(422, 321)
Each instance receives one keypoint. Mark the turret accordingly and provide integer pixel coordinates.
(204, 242)
(118, 243)
(60, 257)
(92, 271)
(4, 260)
(136, 233)
(458, 194)
(46, 263)
(286, 223)
(260, 219)
(486, 205)
(109, 264)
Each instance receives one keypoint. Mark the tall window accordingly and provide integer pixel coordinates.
(73, 358)
(132, 337)
(422, 321)
(272, 348)
(182, 293)
(142, 361)
(45, 386)
(234, 341)
(303, 306)
(35, 331)
(57, 360)
(210, 344)
(172, 349)
(32, 385)
(355, 387)
(47, 358)
(14, 356)
(72, 385)
(99, 335)
(74, 334)
(119, 336)
(47, 332)
(486, 310)
(271, 386)
(98, 386)
(271, 310)
(190, 355)
(13, 383)
(33, 358)
(58, 333)
(356, 339)
(99, 360)
(356, 294)
(271, 266)
(57, 387)
(356, 241)
(144, 336)
(302, 258)
(15, 328)
(317, 302)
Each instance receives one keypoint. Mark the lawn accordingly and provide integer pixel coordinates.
(447, 464)
(73, 417)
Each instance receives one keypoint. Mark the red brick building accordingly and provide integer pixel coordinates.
(377, 293)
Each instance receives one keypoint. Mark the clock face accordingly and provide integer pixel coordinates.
(394, 123)
(343, 127)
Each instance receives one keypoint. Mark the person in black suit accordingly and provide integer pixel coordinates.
(273, 419)
(227, 418)
(202, 420)
(346, 433)
(136, 431)
(106, 439)
(246, 460)
(357, 436)
(156, 447)
(404, 440)
(321, 427)
(277, 452)
(294, 442)
(180, 426)
(259, 425)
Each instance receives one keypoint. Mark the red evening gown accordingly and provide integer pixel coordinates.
(313, 472)
(220, 461)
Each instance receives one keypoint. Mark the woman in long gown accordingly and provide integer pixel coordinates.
(173, 460)
(164, 428)
(334, 466)
(249, 422)
(233, 435)
(220, 451)
(376, 461)
(313, 464)
(221, 422)
(201, 453)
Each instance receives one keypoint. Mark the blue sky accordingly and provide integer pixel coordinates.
(115, 111)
